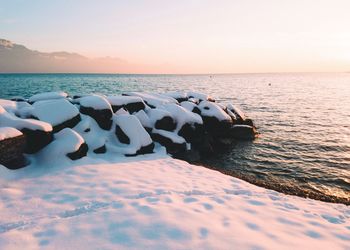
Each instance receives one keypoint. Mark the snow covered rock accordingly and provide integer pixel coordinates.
(133, 138)
(200, 96)
(12, 145)
(173, 143)
(129, 103)
(179, 96)
(38, 134)
(161, 119)
(216, 120)
(98, 108)
(60, 113)
(47, 96)
(153, 100)
(144, 119)
(67, 143)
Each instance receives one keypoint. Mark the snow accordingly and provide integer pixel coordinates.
(8, 132)
(188, 105)
(9, 106)
(182, 115)
(144, 119)
(10, 120)
(213, 110)
(65, 141)
(155, 202)
(96, 102)
(199, 96)
(123, 100)
(132, 128)
(55, 111)
(47, 96)
(174, 137)
(157, 114)
(236, 110)
(155, 100)
(177, 95)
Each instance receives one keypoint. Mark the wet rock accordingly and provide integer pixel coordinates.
(243, 132)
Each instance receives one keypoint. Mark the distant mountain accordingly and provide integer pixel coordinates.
(16, 58)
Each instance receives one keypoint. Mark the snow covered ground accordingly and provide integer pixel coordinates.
(156, 202)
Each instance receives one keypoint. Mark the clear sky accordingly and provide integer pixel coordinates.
(189, 36)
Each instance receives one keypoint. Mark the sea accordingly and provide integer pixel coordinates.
(303, 121)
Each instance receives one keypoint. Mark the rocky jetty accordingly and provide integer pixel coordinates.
(54, 125)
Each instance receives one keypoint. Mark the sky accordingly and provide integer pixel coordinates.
(189, 36)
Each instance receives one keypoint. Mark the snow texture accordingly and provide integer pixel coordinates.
(123, 100)
(8, 132)
(48, 96)
(213, 110)
(155, 202)
(10, 120)
(95, 101)
(155, 100)
(55, 111)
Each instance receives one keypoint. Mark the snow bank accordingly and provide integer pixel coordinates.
(153, 100)
(8, 132)
(9, 106)
(47, 96)
(152, 202)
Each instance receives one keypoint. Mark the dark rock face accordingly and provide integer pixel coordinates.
(100, 150)
(71, 123)
(102, 117)
(191, 133)
(216, 127)
(181, 99)
(11, 152)
(143, 150)
(81, 152)
(243, 132)
(166, 123)
(122, 137)
(171, 147)
(130, 107)
(196, 110)
(36, 140)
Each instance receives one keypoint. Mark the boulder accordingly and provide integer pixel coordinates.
(132, 136)
(100, 150)
(243, 132)
(60, 113)
(161, 119)
(130, 103)
(99, 109)
(173, 143)
(47, 96)
(37, 133)
(12, 145)
(80, 153)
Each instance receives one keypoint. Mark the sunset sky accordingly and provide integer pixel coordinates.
(189, 36)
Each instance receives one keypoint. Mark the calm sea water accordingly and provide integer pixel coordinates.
(304, 120)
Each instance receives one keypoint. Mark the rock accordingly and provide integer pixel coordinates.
(192, 132)
(243, 132)
(60, 113)
(80, 153)
(47, 96)
(99, 109)
(36, 139)
(100, 150)
(131, 133)
(166, 139)
(122, 137)
(130, 103)
(12, 145)
(166, 123)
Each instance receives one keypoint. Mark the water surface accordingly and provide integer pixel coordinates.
(304, 121)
